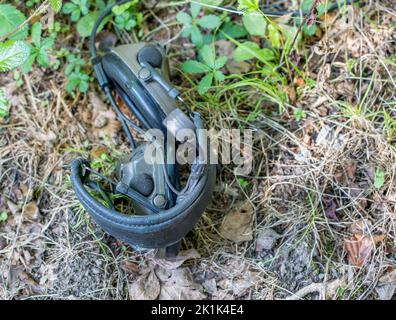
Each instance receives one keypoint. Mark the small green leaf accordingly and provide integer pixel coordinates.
(379, 178)
(3, 216)
(13, 54)
(196, 36)
(219, 76)
(233, 30)
(220, 62)
(266, 54)
(209, 22)
(10, 19)
(274, 36)
(310, 30)
(246, 51)
(36, 34)
(184, 18)
(56, 5)
(249, 5)
(27, 66)
(195, 8)
(3, 104)
(193, 66)
(86, 24)
(243, 183)
(215, 3)
(83, 86)
(117, 10)
(208, 56)
(186, 31)
(205, 84)
(255, 24)
(69, 7)
(307, 5)
(299, 114)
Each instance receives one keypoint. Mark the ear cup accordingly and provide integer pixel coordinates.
(151, 55)
(143, 184)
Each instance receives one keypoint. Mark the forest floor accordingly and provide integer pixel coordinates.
(319, 208)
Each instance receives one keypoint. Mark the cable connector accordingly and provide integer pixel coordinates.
(99, 72)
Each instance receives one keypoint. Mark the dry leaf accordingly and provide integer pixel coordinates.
(180, 286)
(146, 287)
(291, 93)
(31, 210)
(386, 286)
(13, 207)
(299, 82)
(129, 266)
(96, 153)
(266, 239)
(330, 210)
(351, 170)
(362, 226)
(238, 67)
(210, 286)
(237, 225)
(175, 262)
(360, 248)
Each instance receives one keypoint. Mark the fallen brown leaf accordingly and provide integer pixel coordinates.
(330, 210)
(175, 262)
(386, 286)
(360, 248)
(146, 287)
(96, 153)
(238, 223)
(291, 93)
(129, 266)
(266, 239)
(31, 210)
(362, 226)
(180, 286)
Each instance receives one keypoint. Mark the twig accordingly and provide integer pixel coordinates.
(42, 7)
(314, 5)
(29, 86)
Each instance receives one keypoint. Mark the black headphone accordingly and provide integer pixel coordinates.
(139, 74)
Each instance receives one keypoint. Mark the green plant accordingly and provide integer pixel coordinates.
(249, 50)
(255, 23)
(3, 216)
(209, 64)
(13, 54)
(13, 27)
(309, 28)
(243, 183)
(3, 104)
(192, 23)
(40, 49)
(379, 178)
(390, 126)
(76, 9)
(77, 78)
(299, 114)
(17, 77)
(125, 21)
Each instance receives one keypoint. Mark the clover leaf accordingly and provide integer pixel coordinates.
(192, 23)
(210, 64)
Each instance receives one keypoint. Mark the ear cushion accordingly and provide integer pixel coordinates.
(150, 54)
